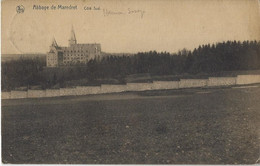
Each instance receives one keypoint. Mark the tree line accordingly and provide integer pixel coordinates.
(209, 58)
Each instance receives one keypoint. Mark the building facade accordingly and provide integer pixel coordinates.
(74, 54)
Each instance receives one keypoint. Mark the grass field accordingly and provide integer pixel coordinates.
(193, 126)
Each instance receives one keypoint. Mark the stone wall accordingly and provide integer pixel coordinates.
(36, 93)
(6, 95)
(156, 85)
(247, 79)
(67, 92)
(87, 90)
(113, 88)
(221, 81)
(139, 86)
(52, 92)
(190, 83)
(18, 94)
(165, 85)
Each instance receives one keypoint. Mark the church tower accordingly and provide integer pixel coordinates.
(72, 39)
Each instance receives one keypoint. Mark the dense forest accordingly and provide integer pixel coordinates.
(210, 58)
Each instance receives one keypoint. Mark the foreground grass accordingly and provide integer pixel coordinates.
(216, 126)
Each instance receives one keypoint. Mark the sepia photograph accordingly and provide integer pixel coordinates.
(130, 82)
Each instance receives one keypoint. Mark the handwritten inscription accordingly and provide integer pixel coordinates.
(141, 12)
(107, 12)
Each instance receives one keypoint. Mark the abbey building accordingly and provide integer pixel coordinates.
(74, 54)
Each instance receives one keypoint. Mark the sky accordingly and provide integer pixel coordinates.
(128, 26)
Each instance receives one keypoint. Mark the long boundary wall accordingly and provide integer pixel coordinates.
(67, 92)
(156, 85)
(52, 92)
(222, 81)
(87, 90)
(192, 83)
(112, 88)
(18, 94)
(6, 95)
(165, 85)
(247, 79)
(139, 86)
(36, 93)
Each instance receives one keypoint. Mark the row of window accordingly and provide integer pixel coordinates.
(74, 55)
(71, 51)
(72, 58)
(51, 59)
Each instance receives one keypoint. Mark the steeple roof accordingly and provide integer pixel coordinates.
(54, 43)
(72, 34)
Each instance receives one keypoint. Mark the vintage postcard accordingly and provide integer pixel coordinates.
(130, 81)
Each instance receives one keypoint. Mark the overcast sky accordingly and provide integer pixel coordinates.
(165, 25)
